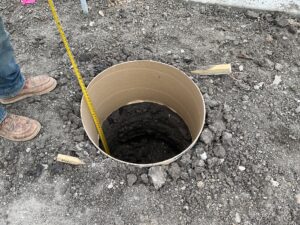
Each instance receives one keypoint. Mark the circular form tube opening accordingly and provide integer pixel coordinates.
(153, 90)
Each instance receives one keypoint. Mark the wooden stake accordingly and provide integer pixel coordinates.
(214, 70)
(69, 160)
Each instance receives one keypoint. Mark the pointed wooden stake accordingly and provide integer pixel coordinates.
(213, 70)
(69, 160)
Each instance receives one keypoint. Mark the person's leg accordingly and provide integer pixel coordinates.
(11, 79)
(2, 114)
(12, 127)
(13, 88)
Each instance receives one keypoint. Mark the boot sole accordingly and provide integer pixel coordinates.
(32, 136)
(51, 88)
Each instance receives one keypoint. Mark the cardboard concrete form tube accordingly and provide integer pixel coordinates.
(144, 81)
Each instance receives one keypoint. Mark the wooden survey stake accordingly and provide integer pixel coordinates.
(69, 160)
(213, 70)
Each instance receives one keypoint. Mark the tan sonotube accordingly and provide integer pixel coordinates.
(144, 81)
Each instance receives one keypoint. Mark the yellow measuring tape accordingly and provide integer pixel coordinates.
(79, 77)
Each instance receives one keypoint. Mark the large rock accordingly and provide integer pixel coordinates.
(157, 176)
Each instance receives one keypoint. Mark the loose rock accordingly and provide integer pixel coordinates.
(242, 168)
(158, 176)
(199, 163)
(199, 166)
(227, 108)
(274, 183)
(298, 198)
(281, 22)
(203, 156)
(174, 171)
(144, 178)
(292, 29)
(184, 176)
(269, 63)
(227, 138)
(210, 102)
(277, 80)
(207, 136)
(200, 184)
(118, 221)
(101, 13)
(212, 162)
(219, 151)
(259, 86)
(297, 110)
(245, 98)
(92, 23)
(199, 150)
(218, 127)
(131, 179)
(269, 52)
(252, 15)
(110, 186)
(238, 218)
(185, 159)
(278, 67)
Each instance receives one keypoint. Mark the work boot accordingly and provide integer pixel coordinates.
(19, 128)
(37, 85)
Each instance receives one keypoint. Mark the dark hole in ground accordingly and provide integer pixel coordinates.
(145, 133)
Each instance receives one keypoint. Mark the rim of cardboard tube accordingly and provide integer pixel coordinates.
(167, 161)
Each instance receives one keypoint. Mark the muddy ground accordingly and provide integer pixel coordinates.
(245, 168)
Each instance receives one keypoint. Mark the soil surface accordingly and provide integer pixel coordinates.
(245, 167)
(145, 133)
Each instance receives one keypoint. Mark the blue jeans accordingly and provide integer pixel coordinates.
(11, 78)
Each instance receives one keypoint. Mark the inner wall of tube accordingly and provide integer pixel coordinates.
(145, 133)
